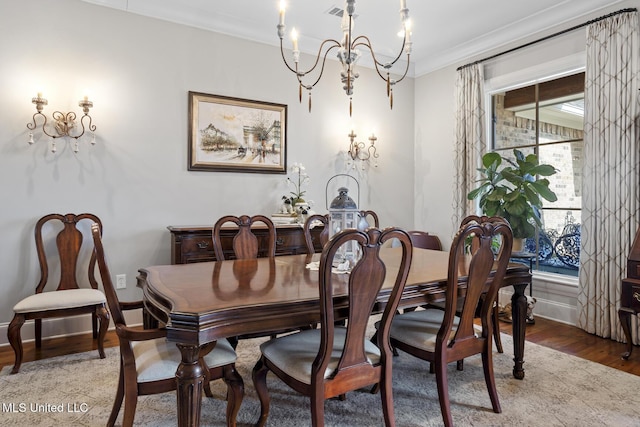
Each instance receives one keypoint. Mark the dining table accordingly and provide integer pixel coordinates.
(202, 302)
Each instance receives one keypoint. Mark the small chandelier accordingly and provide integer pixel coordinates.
(357, 149)
(65, 123)
(348, 54)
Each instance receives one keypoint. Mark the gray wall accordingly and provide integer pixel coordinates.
(138, 72)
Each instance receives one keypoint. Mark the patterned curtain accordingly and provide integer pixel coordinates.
(470, 139)
(610, 205)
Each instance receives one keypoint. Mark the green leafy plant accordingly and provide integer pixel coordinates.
(514, 192)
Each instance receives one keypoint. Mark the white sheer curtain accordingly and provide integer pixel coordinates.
(611, 188)
(470, 138)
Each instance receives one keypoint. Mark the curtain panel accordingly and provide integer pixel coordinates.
(470, 142)
(611, 174)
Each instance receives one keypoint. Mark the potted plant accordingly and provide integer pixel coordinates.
(514, 192)
(300, 178)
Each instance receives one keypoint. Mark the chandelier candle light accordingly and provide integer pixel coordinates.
(348, 54)
(65, 122)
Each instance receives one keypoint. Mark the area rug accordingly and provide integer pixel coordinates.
(558, 390)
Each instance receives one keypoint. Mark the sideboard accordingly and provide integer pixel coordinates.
(194, 243)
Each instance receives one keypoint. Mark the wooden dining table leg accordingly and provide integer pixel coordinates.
(190, 379)
(518, 315)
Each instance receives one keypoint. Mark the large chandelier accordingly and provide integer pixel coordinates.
(348, 54)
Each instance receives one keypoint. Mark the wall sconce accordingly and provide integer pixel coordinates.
(357, 150)
(65, 123)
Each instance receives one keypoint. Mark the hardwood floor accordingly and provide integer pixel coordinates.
(558, 336)
(572, 340)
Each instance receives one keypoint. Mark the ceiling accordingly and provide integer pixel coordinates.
(444, 32)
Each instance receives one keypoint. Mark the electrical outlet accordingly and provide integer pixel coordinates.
(121, 281)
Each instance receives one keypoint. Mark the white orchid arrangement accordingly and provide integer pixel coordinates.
(300, 178)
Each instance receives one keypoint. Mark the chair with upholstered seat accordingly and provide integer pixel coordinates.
(148, 362)
(332, 360)
(495, 311)
(312, 221)
(424, 240)
(68, 299)
(441, 336)
(245, 243)
(370, 217)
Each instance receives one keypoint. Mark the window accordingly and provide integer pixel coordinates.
(547, 119)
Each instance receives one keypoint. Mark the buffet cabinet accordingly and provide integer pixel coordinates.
(195, 244)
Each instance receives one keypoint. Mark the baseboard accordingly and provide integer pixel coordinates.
(61, 327)
(547, 308)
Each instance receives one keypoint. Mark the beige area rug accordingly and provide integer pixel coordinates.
(558, 390)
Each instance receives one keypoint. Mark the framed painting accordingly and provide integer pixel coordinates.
(236, 135)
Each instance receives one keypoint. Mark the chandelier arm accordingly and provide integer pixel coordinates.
(368, 45)
(318, 56)
(324, 60)
(406, 70)
(377, 64)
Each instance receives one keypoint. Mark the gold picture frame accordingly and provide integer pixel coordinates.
(236, 135)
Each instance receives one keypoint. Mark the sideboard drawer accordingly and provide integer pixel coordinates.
(630, 297)
(197, 244)
(290, 242)
(194, 244)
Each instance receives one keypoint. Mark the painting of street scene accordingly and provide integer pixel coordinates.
(232, 134)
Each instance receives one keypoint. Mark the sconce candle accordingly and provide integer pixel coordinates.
(64, 122)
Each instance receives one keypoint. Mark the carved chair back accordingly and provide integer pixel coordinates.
(245, 243)
(324, 234)
(68, 244)
(424, 240)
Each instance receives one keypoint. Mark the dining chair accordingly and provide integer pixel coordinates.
(370, 217)
(424, 240)
(495, 311)
(69, 298)
(332, 360)
(442, 336)
(148, 362)
(245, 243)
(312, 221)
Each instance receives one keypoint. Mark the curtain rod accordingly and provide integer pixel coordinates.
(548, 37)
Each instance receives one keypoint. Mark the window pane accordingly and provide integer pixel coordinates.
(547, 119)
(567, 182)
(512, 129)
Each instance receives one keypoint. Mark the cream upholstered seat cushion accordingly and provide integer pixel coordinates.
(294, 354)
(159, 359)
(54, 300)
(419, 328)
